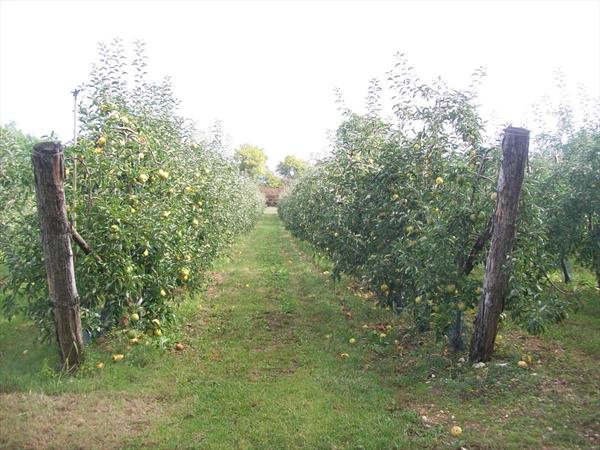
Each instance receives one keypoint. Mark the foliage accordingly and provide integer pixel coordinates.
(568, 169)
(271, 180)
(401, 206)
(291, 167)
(252, 160)
(156, 206)
(14, 191)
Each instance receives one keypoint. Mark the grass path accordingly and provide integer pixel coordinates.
(264, 374)
(268, 365)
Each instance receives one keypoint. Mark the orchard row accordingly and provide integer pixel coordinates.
(156, 205)
(405, 206)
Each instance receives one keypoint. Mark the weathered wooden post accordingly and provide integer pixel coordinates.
(48, 168)
(515, 148)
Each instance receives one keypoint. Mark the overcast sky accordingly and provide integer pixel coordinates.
(267, 70)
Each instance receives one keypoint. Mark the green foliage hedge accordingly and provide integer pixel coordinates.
(400, 205)
(156, 204)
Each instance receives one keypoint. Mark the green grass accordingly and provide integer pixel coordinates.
(264, 367)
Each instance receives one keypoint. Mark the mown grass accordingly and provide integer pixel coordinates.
(268, 364)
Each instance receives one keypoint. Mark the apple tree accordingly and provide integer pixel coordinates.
(405, 206)
(155, 204)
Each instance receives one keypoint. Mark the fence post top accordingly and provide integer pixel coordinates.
(517, 131)
(48, 148)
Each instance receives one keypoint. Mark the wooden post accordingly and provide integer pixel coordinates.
(48, 168)
(515, 148)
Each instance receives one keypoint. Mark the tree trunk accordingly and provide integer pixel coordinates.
(596, 268)
(515, 148)
(595, 236)
(564, 265)
(455, 337)
(48, 168)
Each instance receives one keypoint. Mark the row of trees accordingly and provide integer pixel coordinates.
(156, 204)
(405, 206)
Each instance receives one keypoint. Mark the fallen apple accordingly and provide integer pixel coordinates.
(456, 431)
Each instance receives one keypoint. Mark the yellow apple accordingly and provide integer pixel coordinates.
(456, 431)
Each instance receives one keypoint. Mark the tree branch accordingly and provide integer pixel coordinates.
(80, 241)
(477, 247)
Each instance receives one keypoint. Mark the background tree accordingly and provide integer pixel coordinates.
(251, 160)
(291, 167)
(271, 180)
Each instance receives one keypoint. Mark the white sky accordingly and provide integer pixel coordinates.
(267, 70)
